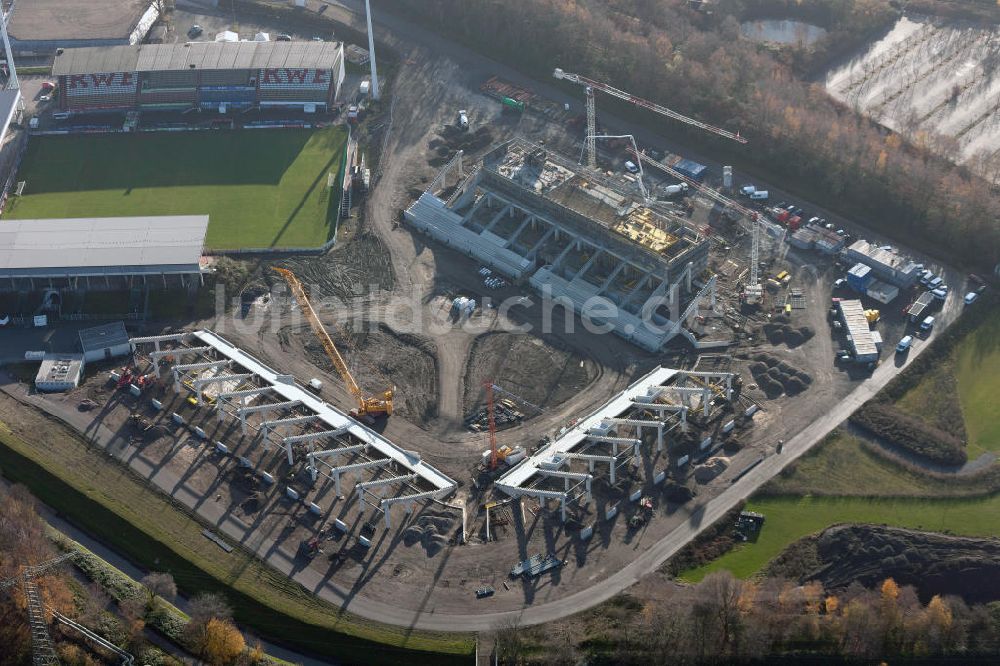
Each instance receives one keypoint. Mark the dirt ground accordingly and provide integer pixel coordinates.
(932, 563)
(540, 371)
(380, 358)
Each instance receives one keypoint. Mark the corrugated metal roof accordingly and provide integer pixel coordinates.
(858, 330)
(106, 335)
(198, 55)
(102, 241)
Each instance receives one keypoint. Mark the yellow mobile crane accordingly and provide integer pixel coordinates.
(367, 405)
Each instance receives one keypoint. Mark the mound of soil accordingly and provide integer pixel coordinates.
(932, 563)
(380, 358)
(779, 331)
(431, 530)
(775, 376)
(538, 370)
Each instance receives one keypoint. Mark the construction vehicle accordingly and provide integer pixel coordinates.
(873, 316)
(127, 376)
(497, 455)
(369, 406)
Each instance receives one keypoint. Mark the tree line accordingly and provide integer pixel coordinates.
(696, 63)
(118, 611)
(724, 620)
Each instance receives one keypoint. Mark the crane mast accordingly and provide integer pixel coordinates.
(370, 405)
(43, 652)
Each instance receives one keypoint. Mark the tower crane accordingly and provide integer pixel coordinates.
(592, 85)
(368, 405)
(43, 652)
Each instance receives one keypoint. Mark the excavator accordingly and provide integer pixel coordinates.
(369, 406)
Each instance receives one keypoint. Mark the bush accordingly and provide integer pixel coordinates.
(910, 433)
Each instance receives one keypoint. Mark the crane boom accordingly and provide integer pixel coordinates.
(366, 404)
(645, 103)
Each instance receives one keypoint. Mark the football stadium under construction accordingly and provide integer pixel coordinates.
(576, 236)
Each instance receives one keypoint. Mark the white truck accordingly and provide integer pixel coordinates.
(671, 191)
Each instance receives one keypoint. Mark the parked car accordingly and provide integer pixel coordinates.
(283, 38)
(839, 283)
(48, 86)
(195, 31)
(935, 282)
(927, 324)
(941, 293)
(971, 297)
(631, 167)
(485, 592)
(904, 345)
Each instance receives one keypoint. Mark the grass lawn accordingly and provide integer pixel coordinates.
(260, 188)
(791, 518)
(147, 527)
(843, 465)
(978, 370)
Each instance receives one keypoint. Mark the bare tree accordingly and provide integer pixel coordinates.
(159, 584)
(507, 642)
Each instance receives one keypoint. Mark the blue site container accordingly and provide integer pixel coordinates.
(860, 277)
(691, 169)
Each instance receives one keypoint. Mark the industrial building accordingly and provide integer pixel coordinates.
(667, 402)
(101, 253)
(275, 412)
(220, 76)
(577, 237)
(39, 27)
(104, 342)
(886, 264)
(59, 372)
(863, 345)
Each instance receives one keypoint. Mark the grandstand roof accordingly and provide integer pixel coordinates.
(198, 55)
(102, 246)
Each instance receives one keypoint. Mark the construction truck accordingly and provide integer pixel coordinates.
(369, 406)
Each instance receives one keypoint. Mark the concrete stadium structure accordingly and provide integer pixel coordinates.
(39, 27)
(577, 237)
(101, 253)
(277, 412)
(673, 404)
(211, 75)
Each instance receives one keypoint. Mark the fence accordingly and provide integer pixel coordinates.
(13, 169)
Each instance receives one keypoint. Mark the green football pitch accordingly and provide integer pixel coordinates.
(260, 188)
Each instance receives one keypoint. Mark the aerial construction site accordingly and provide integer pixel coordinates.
(538, 348)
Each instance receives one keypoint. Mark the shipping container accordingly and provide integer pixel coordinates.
(859, 277)
(512, 103)
(691, 169)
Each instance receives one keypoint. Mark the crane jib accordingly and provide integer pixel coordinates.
(646, 104)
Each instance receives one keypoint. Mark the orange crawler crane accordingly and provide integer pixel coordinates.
(368, 406)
